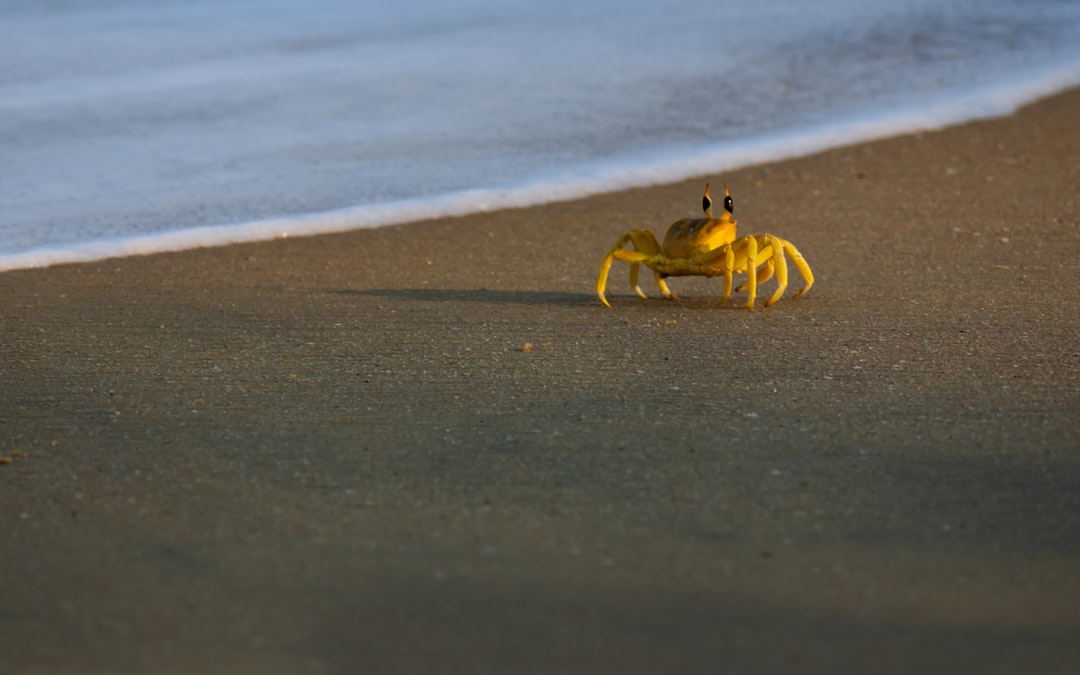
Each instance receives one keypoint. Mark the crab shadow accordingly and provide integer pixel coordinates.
(477, 295)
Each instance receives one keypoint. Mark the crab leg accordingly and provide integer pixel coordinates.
(751, 245)
(780, 263)
(729, 270)
(605, 267)
(771, 254)
(645, 242)
(763, 275)
(601, 278)
(646, 251)
(801, 264)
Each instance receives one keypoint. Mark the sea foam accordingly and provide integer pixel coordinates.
(326, 118)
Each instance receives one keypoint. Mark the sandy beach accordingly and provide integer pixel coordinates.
(429, 447)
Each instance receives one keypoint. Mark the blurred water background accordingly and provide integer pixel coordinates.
(133, 127)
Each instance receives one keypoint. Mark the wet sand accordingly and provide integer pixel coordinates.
(429, 448)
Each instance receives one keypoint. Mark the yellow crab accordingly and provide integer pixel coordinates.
(707, 247)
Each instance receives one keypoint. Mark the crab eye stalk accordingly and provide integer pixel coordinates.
(729, 204)
(706, 201)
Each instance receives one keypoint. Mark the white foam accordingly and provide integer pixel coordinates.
(1002, 99)
(132, 128)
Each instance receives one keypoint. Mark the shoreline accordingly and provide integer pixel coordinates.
(991, 102)
(335, 453)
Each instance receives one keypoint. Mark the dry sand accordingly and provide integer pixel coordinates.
(335, 454)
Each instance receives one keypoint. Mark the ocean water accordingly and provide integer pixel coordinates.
(130, 127)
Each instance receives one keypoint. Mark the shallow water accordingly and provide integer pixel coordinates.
(131, 128)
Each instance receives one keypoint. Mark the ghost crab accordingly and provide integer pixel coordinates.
(707, 247)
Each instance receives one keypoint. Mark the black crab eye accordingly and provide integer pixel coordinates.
(729, 205)
(706, 203)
